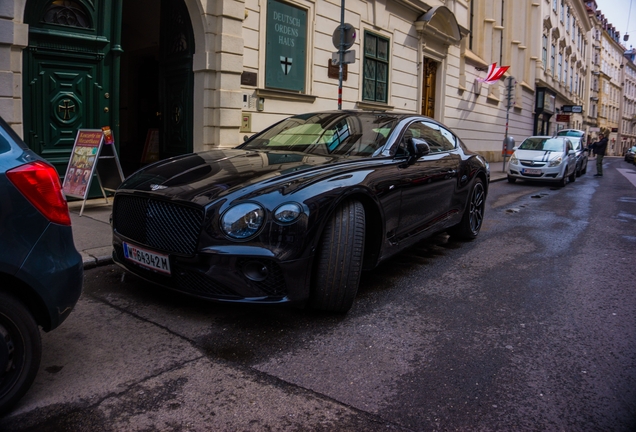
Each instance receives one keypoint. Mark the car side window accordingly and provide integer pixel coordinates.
(438, 138)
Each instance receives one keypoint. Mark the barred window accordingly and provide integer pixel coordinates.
(375, 85)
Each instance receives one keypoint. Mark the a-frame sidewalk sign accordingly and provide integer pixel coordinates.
(94, 153)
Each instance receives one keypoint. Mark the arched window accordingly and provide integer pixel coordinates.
(67, 13)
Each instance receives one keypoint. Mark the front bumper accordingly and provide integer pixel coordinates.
(229, 274)
(533, 173)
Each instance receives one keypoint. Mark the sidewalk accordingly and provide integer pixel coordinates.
(92, 234)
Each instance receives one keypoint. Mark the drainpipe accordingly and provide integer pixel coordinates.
(619, 137)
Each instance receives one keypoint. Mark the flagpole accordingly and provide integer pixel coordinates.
(509, 96)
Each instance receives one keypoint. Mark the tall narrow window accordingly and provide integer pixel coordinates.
(552, 59)
(560, 67)
(376, 68)
(562, 11)
(544, 52)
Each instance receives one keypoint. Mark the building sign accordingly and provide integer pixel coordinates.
(563, 118)
(286, 51)
(572, 108)
(549, 103)
(546, 101)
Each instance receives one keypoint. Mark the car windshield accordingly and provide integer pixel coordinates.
(335, 133)
(543, 144)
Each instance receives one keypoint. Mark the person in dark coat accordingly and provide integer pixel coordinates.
(599, 147)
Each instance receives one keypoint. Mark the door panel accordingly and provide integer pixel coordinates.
(428, 185)
(63, 98)
(68, 74)
(428, 87)
(176, 79)
(177, 117)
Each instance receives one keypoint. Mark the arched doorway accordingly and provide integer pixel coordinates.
(127, 65)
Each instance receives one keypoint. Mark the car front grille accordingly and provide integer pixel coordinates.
(532, 164)
(158, 224)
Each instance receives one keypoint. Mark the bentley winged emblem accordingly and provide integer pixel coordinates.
(155, 187)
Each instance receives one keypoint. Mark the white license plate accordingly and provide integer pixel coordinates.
(532, 171)
(146, 258)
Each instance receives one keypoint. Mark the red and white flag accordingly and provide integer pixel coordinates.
(494, 73)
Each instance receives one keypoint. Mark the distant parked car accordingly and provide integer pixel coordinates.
(579, 142)
(40, 270)
(543, 158)
(629, 154)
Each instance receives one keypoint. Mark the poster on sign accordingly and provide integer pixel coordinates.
(81, 165)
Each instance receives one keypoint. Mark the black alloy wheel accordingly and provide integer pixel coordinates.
(468, 228)
(20, 350)
(339, 259)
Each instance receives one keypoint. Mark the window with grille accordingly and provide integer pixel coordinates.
(376, 68)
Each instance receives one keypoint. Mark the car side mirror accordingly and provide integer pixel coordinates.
(418, 148)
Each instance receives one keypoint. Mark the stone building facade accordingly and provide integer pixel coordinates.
(202, 74)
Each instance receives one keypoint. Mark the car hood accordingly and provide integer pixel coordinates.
(537, 155)
(203, 177)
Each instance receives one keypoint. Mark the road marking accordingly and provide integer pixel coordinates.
(629, 174)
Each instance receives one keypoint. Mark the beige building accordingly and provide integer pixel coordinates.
(627, 128)
(612, 82)
(177, 76)
(562, 75)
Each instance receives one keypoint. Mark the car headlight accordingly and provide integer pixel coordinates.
(556, 161)
(287, 213)
(514, 160)
(243, 220)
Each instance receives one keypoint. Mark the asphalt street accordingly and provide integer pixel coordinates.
(530, 327)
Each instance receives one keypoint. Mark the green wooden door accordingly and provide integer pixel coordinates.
(70, 73)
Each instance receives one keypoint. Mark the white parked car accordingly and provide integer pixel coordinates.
(543, 158)
(579, 142)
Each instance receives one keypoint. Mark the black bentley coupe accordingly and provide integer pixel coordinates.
(295, 213)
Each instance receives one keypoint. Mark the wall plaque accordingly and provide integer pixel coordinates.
(333, 71)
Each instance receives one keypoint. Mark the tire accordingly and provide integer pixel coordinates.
(473, 218)
(572, 177)
(584, 169)
(511, 179)
(20, 350)
(339, 259)
(562, 182)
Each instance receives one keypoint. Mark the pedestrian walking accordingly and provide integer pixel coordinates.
(598, 149)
